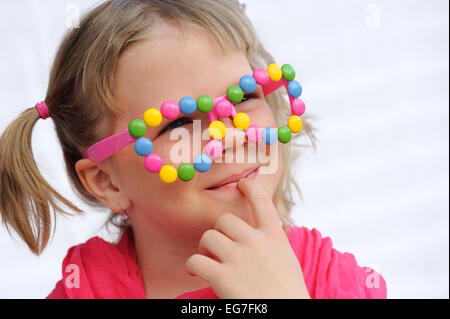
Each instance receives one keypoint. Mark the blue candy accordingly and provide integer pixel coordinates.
(247, 84)
(270, 135)
(188, 105)
(202, 163)
(295, 89)
(143, 146)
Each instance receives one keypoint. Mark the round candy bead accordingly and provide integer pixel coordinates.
(242, 121)
(269, 135)
(284, 134)
(188, 105)
(247, 84)
(186, 172)
(205, 103)
(217, 130)
(224, 108)
(261, 76)
(275, 72)
(168, 174)
(170, 110)
(295, 89)
(298, 107)
(153, 163)
(295, 123)
(137, 128)
(235, 94)
(288, 72)
(202, 163)
(152, 117)
(213, 149)
(253, 133)
(143, 146)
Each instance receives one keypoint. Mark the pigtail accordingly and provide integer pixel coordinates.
(25, 196)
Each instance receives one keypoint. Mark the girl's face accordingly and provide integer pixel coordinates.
(168, 67)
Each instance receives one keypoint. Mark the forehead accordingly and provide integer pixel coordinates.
(170, 64)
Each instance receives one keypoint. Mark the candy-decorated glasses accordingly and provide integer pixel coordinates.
(270, 80)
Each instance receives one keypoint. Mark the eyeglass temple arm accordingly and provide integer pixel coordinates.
(107, 147)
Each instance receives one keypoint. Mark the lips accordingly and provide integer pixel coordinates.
(233, 178)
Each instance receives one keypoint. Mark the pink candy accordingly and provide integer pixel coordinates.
(261, 76)
(224, 108)
(170, 110)
(213, 149)
(298, 107)
(153, 163)
(254, 133)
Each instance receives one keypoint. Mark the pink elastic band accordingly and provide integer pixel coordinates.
(107, 147)
(42, 108)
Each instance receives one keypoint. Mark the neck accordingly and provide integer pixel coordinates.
(161, 258)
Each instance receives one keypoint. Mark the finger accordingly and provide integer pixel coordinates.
(217, 244)
(233, 227)
(262, 206)
(202, 266)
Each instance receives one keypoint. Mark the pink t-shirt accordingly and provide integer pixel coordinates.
(105, 270)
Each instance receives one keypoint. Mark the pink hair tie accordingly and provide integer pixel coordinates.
(42, 108)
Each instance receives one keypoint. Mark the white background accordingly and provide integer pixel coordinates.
(375, 73)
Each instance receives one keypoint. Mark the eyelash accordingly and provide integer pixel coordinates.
(186, 120)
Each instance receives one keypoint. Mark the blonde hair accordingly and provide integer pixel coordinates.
(81, 104)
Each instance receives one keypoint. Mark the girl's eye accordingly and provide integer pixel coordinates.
(174, 124)
(248, 97)
(185, 120)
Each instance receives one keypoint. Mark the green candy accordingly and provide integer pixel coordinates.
(186, 172)
(137, 128)
(284, 134)
(205, 103)
(235, 94)
(288, 72)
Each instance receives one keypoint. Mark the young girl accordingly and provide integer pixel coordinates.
(224, 234)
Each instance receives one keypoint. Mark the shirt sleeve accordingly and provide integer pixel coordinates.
(330, 274)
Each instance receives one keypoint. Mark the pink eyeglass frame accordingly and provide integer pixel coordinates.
(112, 144)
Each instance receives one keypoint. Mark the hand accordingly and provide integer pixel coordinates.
(239, 261)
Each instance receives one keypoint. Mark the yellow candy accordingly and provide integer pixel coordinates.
(295, 124)
(168, 174)
(217, 130)
(152, 117)
(242, 121)
(275, 72)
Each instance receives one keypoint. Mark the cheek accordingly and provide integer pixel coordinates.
(176, 206)
(137, 181)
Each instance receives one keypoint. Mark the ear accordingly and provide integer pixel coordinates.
(102, 184)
